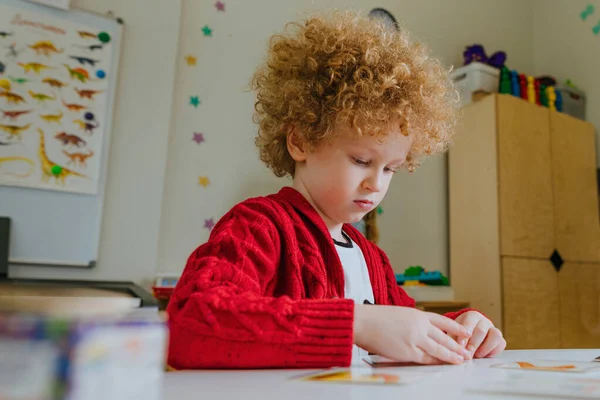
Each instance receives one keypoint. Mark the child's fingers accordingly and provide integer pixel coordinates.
(493, 342)
(470, 320)
(479, 334)
(448, 342)
(493, 339)
(448, 325)
(442, 353)
(498, 349)
(462, 342)
(424, 358)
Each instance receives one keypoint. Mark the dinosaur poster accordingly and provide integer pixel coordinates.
(54, 79)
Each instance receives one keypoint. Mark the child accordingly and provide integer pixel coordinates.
(284, 280)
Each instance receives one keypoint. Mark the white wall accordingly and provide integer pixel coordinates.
(566, 48)
(137, 162)
(414, 223)
(221, 77)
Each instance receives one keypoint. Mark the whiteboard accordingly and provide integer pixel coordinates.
(58, 76)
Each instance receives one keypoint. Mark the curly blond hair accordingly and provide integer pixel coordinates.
(344, 68)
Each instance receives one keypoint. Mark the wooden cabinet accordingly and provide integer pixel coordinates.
(524, 176)
(574, 183)
(525, 224)
(579, 293)
(530, 303)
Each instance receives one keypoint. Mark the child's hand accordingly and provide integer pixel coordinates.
(407, 334)
(486, 341)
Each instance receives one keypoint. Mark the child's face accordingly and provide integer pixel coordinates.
(349, 177)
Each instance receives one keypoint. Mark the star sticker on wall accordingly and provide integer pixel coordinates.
(191, 60)
(207, 31)
(203, 181)
(198, 138)
(220, 6)
(195, 101)
(209, 223)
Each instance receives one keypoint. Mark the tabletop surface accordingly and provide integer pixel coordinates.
(448, 381)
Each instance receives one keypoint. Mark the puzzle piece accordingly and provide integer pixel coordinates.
(527, 365)
(589, 10)
(551, 366)
(596, 29)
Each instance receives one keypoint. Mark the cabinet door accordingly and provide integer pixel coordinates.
(579, 288)
(525, 182)
(576, 219)
(473, 205)
(530, 304)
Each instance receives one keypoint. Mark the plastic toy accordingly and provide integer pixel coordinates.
(476, 52)
(416, 275)
(413, 271)
(167, 279)
(163, 288)
(505, 81)
(530, 90)
(543, 95)
(570, 84)
(542, 90)
(536, 88)
(546, 80)
(559, 100)
(551, 96)
(523, 86)
(515, 87)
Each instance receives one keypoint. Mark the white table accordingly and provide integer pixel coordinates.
(451, 383)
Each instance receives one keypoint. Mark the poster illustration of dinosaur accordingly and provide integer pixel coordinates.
(53, 101)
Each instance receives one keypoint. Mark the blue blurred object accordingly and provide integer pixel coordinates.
(423, 277)
(559, 100)
(515, 88)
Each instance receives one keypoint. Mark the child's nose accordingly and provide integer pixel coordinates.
(374, 183)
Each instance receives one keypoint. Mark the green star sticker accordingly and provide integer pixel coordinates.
(207, 31)
(195, 101)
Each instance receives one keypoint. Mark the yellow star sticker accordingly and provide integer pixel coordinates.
(204, 181)
(191, 60)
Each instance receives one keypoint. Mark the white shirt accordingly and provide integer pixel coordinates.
(357, 284)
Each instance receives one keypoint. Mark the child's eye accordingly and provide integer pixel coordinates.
(392, 170)
(360, 162)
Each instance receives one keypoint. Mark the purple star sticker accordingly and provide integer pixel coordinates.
(209, 223)
(198, 138)
(220, 6)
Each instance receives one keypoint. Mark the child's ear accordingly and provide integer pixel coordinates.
(296, 146)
